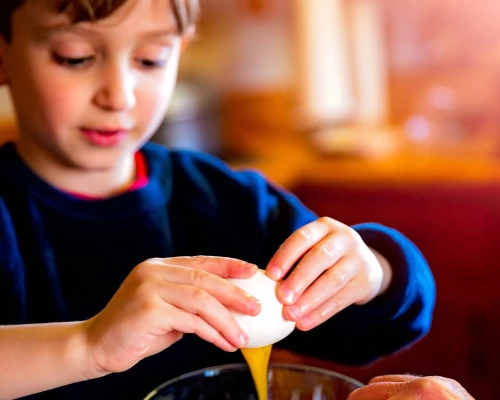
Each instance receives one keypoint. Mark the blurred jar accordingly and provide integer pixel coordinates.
(451, 120)
(193, 120)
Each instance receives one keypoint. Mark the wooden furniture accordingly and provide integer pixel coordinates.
(8, 131)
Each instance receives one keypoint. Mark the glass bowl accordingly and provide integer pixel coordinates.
(234, 382)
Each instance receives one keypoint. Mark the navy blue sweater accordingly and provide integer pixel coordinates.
(62, 258)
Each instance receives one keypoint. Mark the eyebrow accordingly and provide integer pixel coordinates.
(47, 31)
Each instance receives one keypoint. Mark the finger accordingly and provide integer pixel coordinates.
(226, 292)
(295, 246)
(224, 267)
(394, 378)
(199, 302)
(173, 270)
(186, 322)
(342, 299)
(319, 258)
(333, 280)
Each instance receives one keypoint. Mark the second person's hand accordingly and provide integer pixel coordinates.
(410, 387)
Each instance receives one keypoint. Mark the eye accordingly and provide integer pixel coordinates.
(71, 62)
(151, 64)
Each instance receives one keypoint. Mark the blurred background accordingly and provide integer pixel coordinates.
(368, 110)
(350, 77)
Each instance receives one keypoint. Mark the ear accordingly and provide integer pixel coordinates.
(187, 38)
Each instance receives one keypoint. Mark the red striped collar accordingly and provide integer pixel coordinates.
(141, 179)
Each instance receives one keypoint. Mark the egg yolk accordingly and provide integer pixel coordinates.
(258, 362)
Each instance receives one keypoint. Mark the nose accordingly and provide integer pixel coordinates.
(117, 91)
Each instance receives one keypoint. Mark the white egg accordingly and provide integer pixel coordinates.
(269, 326)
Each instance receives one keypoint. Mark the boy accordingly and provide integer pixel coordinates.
(85, 205)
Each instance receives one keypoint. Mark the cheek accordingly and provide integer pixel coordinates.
(60, 101)
(152, 104)
(46, 95)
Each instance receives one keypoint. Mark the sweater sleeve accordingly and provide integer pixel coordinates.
(356, 335)
(391, 322)
(359, 334)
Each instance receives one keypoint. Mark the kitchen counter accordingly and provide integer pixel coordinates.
(289, 161)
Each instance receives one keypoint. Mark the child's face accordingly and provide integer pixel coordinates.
(89, 94)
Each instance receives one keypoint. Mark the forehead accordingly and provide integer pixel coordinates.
(42, 16)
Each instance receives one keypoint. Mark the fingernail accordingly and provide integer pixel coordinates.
(275, 272)
(243, 338)
(295, 312)
(307, 322)
(288, 295)
(254, 304)
(248, 265)
(179, 336)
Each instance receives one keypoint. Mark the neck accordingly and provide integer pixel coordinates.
(96, 182)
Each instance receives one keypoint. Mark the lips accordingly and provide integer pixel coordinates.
(105, 137)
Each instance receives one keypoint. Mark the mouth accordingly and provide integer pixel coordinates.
(105, 137)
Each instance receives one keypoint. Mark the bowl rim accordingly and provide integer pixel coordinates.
(240, 366)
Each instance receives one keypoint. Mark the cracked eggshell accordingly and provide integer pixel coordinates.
(269, 326)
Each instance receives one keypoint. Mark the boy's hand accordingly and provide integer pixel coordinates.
(406, 387)
(163, 298)
(331, 268)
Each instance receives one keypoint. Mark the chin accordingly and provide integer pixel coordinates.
(95, 164)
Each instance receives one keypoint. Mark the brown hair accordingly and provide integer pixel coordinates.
(186, 11)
